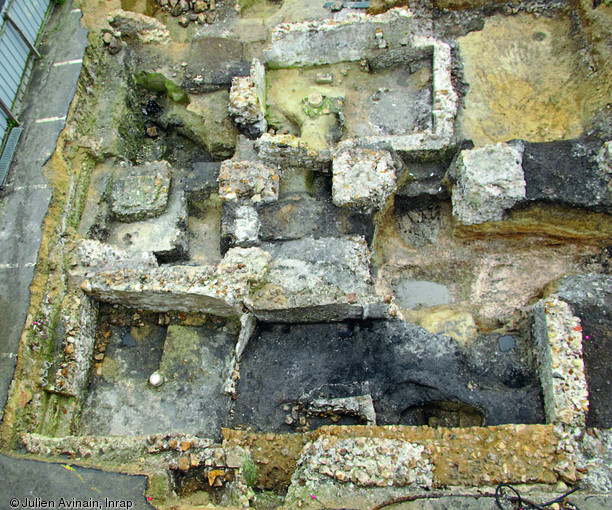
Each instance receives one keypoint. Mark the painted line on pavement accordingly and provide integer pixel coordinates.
(50, 119)
(27, 188)
(16, 266)
(68, 62)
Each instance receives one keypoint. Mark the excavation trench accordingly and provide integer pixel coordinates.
(298, 377)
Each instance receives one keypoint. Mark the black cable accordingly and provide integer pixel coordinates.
(516, 499)
(500, 496)
(517, 502)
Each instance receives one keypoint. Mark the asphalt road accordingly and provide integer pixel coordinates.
(28, 482)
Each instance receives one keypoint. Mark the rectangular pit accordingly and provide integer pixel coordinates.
(191, 352)
(357, 101)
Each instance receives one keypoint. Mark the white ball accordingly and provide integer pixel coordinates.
(156, 379)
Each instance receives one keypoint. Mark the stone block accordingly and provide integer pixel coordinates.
(94, 254)
(315, 280)
(247, 101)
(239, 226)
(572, 173)
(373, 462)
(488, 181)
(590, 299)
(291, 151)
(69, 373)
(165, 236)
(362, 178)
(218, 290)
(143, 193)
(247, 181)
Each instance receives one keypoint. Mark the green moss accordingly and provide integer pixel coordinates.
(177, 94)
(82, 189)
(157, 82)
(158, 487)
(329, 105)
(249, 472)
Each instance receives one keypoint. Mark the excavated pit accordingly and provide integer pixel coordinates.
(296, 378)
(328, 103)
(191, 353)
(356, 310)
(380, 372)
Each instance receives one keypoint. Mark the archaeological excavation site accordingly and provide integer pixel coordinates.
(345, 255)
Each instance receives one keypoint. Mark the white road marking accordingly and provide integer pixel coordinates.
(34, 186)
(68, 62)
(16, 266)
(50, 119)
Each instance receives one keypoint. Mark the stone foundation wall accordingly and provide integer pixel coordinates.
(474, 456)
(558, 337)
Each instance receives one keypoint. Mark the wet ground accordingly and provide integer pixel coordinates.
(193, 360)
(401, 367)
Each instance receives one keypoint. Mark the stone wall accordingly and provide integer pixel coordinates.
(474, 456)
(558, 340)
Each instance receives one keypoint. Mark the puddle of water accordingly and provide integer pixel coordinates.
(506, 343)
(414, 293)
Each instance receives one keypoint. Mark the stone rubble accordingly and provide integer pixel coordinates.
(220, 466)
(360, 406)
(200, 11)
(138, 26)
